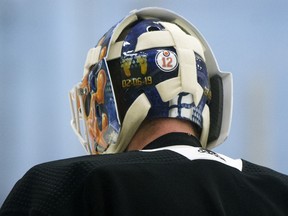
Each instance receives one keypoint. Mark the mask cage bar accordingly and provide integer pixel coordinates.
(75, 96)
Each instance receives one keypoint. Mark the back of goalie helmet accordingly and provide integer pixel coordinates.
(152, 64)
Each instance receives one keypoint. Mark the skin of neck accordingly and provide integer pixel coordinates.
(150, 130)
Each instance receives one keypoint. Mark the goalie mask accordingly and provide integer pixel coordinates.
(152, 64)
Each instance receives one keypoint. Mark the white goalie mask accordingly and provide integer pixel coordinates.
(152, 64)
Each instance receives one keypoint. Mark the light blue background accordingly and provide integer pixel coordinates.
(43, 46)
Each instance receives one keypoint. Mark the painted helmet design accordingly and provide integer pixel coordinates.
(152, 64)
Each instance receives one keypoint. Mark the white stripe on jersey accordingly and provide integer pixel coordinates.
(198, 153)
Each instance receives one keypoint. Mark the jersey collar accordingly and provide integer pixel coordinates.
(172, 139)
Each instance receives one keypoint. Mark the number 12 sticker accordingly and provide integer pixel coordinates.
(166, 60)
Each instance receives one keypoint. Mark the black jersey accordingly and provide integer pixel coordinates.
(173, 180)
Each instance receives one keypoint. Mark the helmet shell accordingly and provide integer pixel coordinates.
(148, 77)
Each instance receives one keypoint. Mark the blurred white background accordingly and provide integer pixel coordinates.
(43, 46)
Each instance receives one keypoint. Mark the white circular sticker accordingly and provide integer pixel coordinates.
(166, 60)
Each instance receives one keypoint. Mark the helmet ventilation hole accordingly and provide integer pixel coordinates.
(152, 28)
